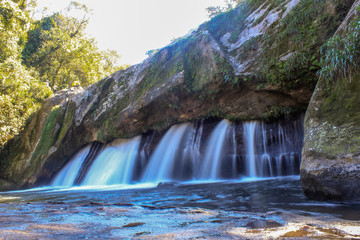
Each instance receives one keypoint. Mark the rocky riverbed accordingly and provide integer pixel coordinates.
(262, 209)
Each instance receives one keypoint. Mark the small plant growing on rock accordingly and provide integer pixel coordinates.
(341, 54)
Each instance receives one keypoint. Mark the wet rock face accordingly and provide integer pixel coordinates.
(216, 71)
(337, 179)
(330, 167)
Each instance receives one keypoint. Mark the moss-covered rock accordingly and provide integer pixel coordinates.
(216, 71)
(331, 155)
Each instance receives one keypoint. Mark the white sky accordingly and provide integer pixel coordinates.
(133, 27)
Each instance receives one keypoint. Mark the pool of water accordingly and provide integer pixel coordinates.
(225, 209)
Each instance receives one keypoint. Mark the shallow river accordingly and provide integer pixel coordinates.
(263, 209)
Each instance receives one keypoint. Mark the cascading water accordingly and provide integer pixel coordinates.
(191, 152)
(68, 174)
(272, 150)
(265, 162)
(234, 173)
(213, 155)
(95, 149)
(115, 164)
(249, 139)
(162, 161)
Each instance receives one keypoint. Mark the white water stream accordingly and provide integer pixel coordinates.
(183, 154)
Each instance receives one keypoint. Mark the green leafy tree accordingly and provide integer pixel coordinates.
(216, 10)
(53, 49)
(20, 93)
(58, 49)
(110, 61)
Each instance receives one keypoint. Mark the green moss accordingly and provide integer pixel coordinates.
(202, 69)
(342, 105)
(120, 84)
(108, 120)
(231, 21)
(68, 121)
(106, 126)
(334, 116)
(215, 112)
(50, 132)
(164, 64)
(48, 138)
(247, 48)
(224, 70)
(336, 130)
(174, 106)
(333, 141)
(162, 125)
(341, 54)
(277, 112)
(301, 33)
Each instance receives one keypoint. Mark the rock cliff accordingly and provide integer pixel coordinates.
(330, 167)
(257, 61)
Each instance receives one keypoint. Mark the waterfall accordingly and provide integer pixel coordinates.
(67, 175)
(115, 164)
(249, 137)
(277, 157)
(162, 161)
(189, 151)
(213, 154)
(265, 166)
(191, 158)
(234, 153)
(95, 149)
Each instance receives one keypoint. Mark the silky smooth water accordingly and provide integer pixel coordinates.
(249, 138)
(227, 151)
(216, 210)
(261, 195)
(162, 162)
(115, 164)
(67, 176)
(214, 150)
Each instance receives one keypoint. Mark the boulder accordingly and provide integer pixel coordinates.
(330, 167)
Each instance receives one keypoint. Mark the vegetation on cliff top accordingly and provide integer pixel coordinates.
(341, 54)
(38, 56)
(290, 48)
(334, 112)
(340, 76)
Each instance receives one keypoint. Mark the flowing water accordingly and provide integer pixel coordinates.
(262, 209)
(184, 153)
(199, 180)
(115, 164)
(67, 176)
(214, 151)
(162, 162)
(249, 138)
